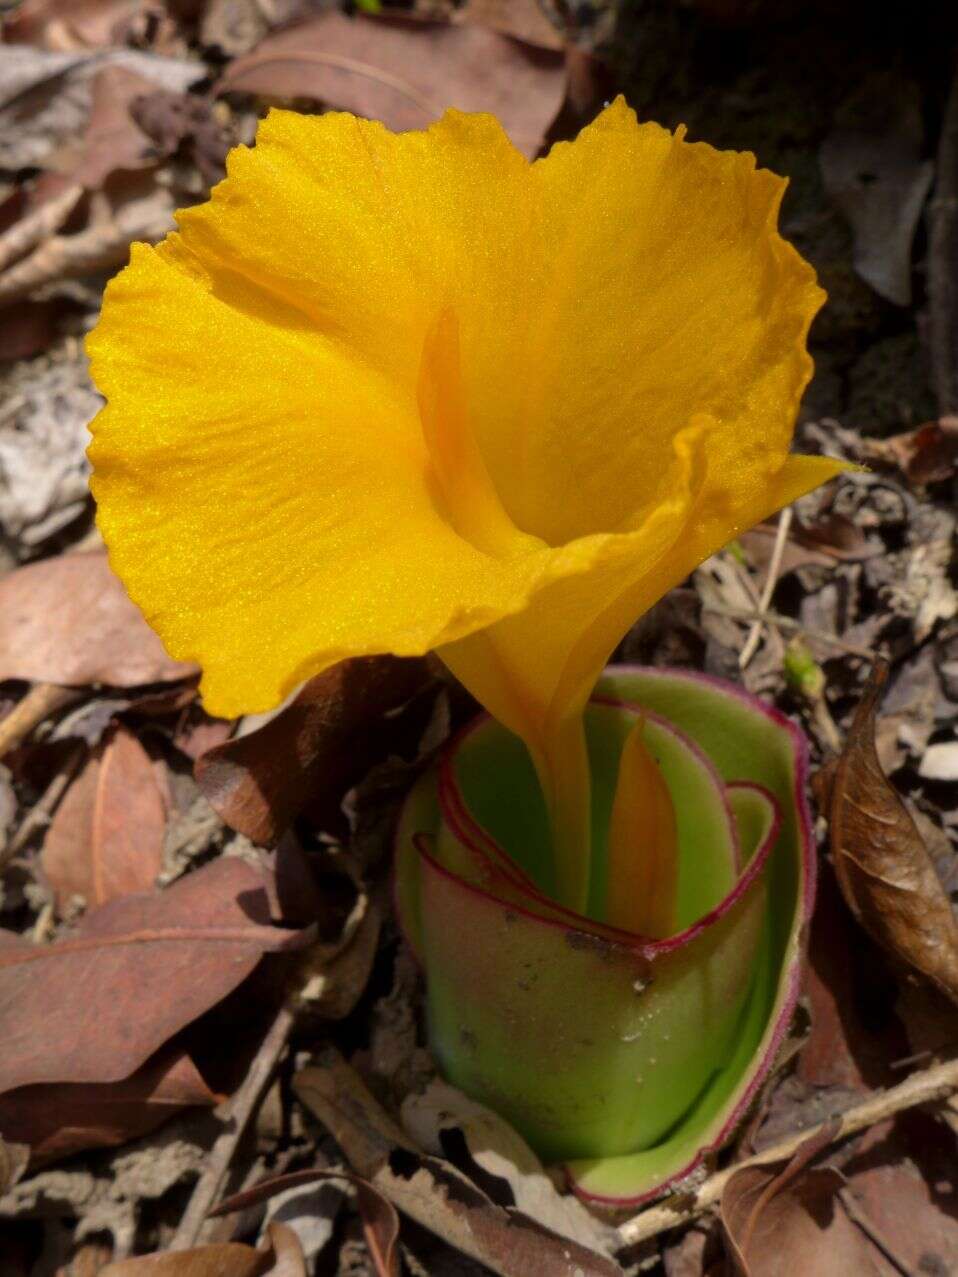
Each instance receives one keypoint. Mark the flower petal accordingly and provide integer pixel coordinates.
(264, 497)
(670, 296)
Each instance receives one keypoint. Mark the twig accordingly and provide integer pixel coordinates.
(39, 815)
(788, 623)
(241, 1109)
(943, 262)
(936, 1083)
(39, 703)
(771, 580)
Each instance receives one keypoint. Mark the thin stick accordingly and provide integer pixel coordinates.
(771, 580)
(40, 702)
(241, 1109)
(788, 623)
(936, 1083)
(41, 813)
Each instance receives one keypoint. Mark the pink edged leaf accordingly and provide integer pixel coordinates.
(663, 1043)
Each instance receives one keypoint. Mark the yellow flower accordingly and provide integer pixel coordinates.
(390, 393)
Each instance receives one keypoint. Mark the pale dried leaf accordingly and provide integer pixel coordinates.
(495, 1146)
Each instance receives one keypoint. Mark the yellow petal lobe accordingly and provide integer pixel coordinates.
(643, 845)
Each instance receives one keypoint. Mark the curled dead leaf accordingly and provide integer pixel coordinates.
(883, 867)
(313, 751)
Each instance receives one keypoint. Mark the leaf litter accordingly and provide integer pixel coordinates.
(185, 884)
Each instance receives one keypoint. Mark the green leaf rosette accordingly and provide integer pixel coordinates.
(627, 1059)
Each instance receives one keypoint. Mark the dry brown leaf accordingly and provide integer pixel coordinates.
(407, 73)
(379, 1218)
(138, 969)
(928, 454)
(837, 536)
(44, 215)
(784, 1219)
(13, 1162)
(433, 1192)
(141, 211)
(222, 1259)
(112, 139)
(313, 751)
(106, 839)
(522, 19)
(79, 24)
(27, 329)
(883, 867)
(56, 1119)
(69, 620)
(432, 1115)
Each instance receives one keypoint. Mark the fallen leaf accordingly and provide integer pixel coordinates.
(123, 211)
(313, 751)
(873, 169)
(29, 329)
(69, 620)
(80, 24)
(197, 733)
(928, 454)
(433, 1192)
(882, 864)
(222, 1259)
(759, 544)
(311, 1210)
(434, 1115)
(380, 1229)
(380, 1221)
(522, 19)
(896, 1171)
(138, 969)
(59, 1118)
(112, 139)
(106, 839)
(331, 986)
(784, 1219)
(174, 120)
(407, 73)
(838, 536)
(43, 440)
(13, 1162)
(45, 96)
